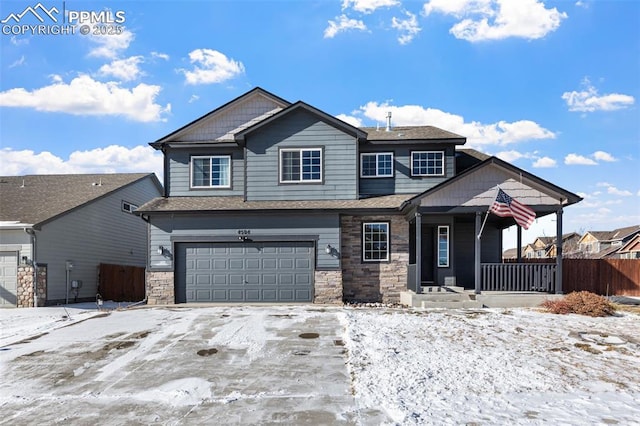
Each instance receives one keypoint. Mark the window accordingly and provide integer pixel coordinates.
(376, 164)
(128, 207)
(443, 246)
(427, 163)
(301, 165)
(375, 242)
(211, 171)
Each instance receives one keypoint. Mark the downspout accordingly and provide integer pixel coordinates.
(32, 234)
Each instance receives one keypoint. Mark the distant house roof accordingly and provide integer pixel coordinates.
(412, 133)
(37, 199)
(615, 235)
(633, 245)
(212, 204)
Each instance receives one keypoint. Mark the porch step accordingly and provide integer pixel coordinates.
(440, 299)
(441, 289)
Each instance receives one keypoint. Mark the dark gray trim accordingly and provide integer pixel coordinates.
(327, 269)
(160, 269)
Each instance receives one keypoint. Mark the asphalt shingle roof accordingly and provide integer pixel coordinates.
(34, 199)
(210, 204)
(404, 133)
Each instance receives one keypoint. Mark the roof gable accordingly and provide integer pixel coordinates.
(476, 189)
(37, 199)
(221, 124)
(633, 245)
(301, 106)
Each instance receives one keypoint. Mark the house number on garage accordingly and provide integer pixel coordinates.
(244, 232)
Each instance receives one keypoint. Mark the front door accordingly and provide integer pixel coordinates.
(428, 258)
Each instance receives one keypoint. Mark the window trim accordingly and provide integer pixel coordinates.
(377, 175)
(362, 233)
(300, 151)
(448, 242)
(132, 207)
(413, 173)
(192, 169)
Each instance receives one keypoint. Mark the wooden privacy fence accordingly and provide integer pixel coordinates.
(607, 277)
(121, 283)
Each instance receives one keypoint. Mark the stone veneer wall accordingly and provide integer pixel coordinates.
(159, 288)
(374, 281)
(25, 286)
(328, 287)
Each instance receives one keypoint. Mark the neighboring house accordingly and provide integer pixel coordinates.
(546, 247)
(631, 250)
(271, 201)
(67, 225)
(605, 244)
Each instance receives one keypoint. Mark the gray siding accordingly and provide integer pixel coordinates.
(225, 227)
(180, 172)
(299, 130)
(403, 182)
(464, 240)
(99, 232)
(16, 240)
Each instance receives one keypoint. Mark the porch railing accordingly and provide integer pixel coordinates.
(518, 277)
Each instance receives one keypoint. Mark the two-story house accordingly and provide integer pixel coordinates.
(606, 244)
(271, 201)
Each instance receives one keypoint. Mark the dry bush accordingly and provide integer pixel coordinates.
(580, 302)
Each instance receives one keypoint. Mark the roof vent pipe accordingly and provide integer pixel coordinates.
(388, 129)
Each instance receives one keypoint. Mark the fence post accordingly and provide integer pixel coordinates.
(559, 249)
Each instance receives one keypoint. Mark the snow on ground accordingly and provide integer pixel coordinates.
(407, 366)
(495, 366)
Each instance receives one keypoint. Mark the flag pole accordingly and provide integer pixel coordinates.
(486, 216)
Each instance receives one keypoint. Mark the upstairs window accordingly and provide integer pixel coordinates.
(375, 242)
(378, 164)
(300, 165)
(427, 163)
(128, 207)
(211, 171)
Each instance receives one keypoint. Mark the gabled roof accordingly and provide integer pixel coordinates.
(197, 121)
(302, 106)
(38, 199)
(633, 245)
(522, 176)
(615, 235)
(413, 133)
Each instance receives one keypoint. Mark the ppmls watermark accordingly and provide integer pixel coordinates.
(42, 20)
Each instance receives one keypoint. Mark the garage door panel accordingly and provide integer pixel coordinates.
(245, 272)
(8, 279)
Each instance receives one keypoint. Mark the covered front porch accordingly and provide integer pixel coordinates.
(456, 245)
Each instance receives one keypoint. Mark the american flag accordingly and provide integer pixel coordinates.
(505, 206)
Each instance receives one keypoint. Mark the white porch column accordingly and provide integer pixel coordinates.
(559, 250)
(418, 252)
(478, 282)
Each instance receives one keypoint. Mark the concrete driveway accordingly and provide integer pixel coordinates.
(176, 365)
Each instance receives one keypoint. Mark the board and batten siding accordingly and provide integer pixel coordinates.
(180, 172)
(99, 232)
(224, 227)
(403, 182)
(301, 130)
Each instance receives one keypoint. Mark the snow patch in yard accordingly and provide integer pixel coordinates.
(181, 392)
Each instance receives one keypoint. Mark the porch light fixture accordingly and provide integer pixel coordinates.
(161, 250)
(328, 249)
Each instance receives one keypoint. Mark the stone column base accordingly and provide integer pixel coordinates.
(160, 288)
(328, 287)
(25, 286)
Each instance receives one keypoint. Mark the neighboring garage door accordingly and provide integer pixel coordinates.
(244, 272)
(8, 279)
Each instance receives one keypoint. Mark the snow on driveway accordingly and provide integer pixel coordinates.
(317, 365)
(495, 366)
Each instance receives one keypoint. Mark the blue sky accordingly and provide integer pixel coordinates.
(552, 87)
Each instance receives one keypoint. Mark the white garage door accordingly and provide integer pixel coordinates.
(8, 278)
(244, 272)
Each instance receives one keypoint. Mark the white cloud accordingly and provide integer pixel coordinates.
(211, 66)
(368, 6)
(500, 133)
(123, 69)
(580, 3)
(354, 121)
(111, 46)
(497, 19)
(160, 55)
(112, 159)
(510, 156)
(578, 160)
(85, 96)
(638, 194)
(408, 28)
(545, 162)
(19, 41)
(193, 98)
(18, 62)
(588, 99)
(603, 156)
(613, 190)
(341, 24)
